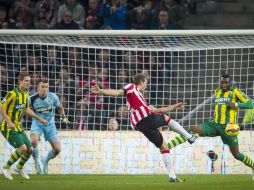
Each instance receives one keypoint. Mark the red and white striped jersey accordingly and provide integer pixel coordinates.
(136, 104)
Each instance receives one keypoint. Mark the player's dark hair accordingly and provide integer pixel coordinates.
(225, 75)
(43, 81)
(22, 76)
(138, 78)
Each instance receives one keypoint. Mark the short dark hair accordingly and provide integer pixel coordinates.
(138, 78)
(22, 76)
(225, 75)
(43, 81)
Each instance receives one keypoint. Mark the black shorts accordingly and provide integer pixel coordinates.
(149, 127)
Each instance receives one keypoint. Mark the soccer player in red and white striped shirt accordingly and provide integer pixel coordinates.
(148, 119)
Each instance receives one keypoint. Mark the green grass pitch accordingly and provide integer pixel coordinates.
(130, 182)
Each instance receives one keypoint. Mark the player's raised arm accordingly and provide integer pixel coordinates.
(109, 92)
(168, 108)
(32, 114)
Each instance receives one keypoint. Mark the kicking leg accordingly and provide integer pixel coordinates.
(180, 139)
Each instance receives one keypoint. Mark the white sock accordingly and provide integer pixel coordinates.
(168, 164)
(178, 128)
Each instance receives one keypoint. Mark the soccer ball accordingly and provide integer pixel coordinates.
(232, 129)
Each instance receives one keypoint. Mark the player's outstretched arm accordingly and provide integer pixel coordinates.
(168, 108)
(109, 92)
(32, 114)
(5, 116)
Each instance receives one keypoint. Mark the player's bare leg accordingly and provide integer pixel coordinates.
(34, 140)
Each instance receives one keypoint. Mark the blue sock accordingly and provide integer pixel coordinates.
(51, 155)
(36, 154)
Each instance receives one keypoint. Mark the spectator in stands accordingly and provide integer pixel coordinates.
(129, 63)
(42, 24)
(123, 117)
(67, 23)
(114, 14)
(33, 88)
(122, 79)
(6, 25)
(32, 63)
(176, 12)
(112, 124)
(46, 11)
(22, 13)
(160, 75)
(77, 10)
(81, 115)
(93, 19)
(65, 85)
(74, 63)
(163, 22)
(3, 14)
(51, 64)
(139, 20)
(3, 82)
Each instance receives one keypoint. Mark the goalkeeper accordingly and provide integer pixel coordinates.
(227, 100)
(44, 103)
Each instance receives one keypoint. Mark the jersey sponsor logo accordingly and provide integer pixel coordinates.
(20, 106)
(222, 100)
(44, 110)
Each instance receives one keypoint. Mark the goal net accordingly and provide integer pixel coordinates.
(180, 65)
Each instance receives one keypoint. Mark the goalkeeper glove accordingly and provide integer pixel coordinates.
(64, 119)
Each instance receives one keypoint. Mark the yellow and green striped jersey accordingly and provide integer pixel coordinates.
(223, 114)
(15, 103)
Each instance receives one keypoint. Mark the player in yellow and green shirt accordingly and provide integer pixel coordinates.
(227, 101)
(12, 108)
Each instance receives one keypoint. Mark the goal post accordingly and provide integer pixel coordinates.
(181, 65)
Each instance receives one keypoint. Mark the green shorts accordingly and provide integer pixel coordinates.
(211, 129)
(17, 139)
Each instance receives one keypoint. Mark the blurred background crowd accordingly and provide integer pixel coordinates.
(94, 14)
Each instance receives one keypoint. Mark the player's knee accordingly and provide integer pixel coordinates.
(35, 144)
(30, 150)
(22, 149)
(57, 150)
(236, 155)
(197, 129)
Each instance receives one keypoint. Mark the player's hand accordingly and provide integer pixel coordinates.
(44, 122)
(179, 105)
(152, 108)
(232, 105)
(95, 89)
(10, 125)
(65, 120)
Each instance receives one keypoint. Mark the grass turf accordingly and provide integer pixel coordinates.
(124, 182)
